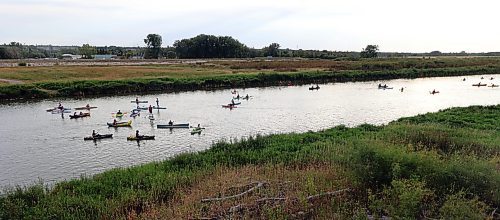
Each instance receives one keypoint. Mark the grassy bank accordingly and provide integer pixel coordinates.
(438, 165)
(69, 81)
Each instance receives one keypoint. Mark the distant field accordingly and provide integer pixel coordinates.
(98, 78)
(107, 70)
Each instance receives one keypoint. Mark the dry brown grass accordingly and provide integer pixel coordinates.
(100, 70)
(294, 183)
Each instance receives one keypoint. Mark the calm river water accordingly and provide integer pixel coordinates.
(37, 145)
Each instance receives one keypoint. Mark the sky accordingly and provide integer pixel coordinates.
(341, 25)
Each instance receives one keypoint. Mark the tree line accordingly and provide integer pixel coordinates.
(201, 46)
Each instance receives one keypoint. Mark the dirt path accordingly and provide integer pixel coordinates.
(11, 81)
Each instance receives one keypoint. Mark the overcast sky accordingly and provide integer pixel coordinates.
(395, 25)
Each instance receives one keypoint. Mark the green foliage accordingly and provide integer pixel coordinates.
(87, 51)
(369, 51)
(404, 199)
(153, 43)
(272, 50)
(209, 46)
(457, 206)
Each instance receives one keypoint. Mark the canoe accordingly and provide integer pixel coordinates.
(97, 137)
(140, 101)
(157, 107)
(229, 106)
(196, 131)
(186, 125)
(79, 116)
(478, 84)
(142, 137)
(85, 108)
(120, 124)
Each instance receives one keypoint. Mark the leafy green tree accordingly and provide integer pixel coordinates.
(153, 50)
(87, 51)
(272, 50)
(369, 52)
(210, 46)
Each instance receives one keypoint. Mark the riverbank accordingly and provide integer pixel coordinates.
(437, 165)
(85, 81)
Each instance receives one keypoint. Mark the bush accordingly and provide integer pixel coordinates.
(405, 199)
(457, 206)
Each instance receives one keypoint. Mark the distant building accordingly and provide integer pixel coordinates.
(105, 57)
(68, 56)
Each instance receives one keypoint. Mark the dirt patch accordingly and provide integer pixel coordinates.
(11, 81)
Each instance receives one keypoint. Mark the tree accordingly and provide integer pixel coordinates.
(272, 50)
(210, 46)
(369, 52)
(153, 50)
(87, 51)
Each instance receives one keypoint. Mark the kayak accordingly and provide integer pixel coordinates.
(479, 84)
(85, 108)
(142, 108)
(57, 109)
(196, 131)
(313, 88)
(139, 101)
(157, 107)
(385, 87)
(235, 103)
(432, 93)
(120, 124)
(142, 137)
(97, 137)
(79, 116)
(135, 114)
(493, 86)
(118, 115)
(186, 125)
(151, 117)
(61, 111)
(228, 106)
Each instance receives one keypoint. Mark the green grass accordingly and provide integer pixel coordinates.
(415, 167)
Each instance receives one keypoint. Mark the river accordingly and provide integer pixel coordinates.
(36, 145)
